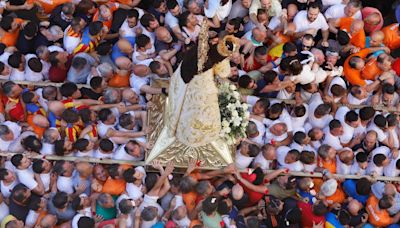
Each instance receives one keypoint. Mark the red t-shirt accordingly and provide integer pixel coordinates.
(254, 197)
(307, 216)
(56, 74)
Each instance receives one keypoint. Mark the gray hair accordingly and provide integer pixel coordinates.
(251, 128)
(47, 135)
(109, 96)
(55, 30)
(202, 187)
(103, 198)
(148, 214)
(41, 50)
(323, 150)
(104, 69)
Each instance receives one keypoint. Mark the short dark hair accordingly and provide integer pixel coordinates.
(68, 88)
(378, 159)
(6, 22)
(366, 113)
(37, 166)
(253, 150)
(299, 110)
(76, 203)
(79, 63)
(27, 97)
(314, 5)
(125, 207)
(334, 124)
(320, 209)
(70, 116)
(210, 205)
(270, 76)
(351, 116)
(95, 27)
(81, 144)
(16, 159)
(60, 199)
(171, 4)
(183, 18)
(154, 66)
(132, 13)
(53, 58)
(244, 81)
(104, 114)
(337, 90)
(235, 22)
(260, 50)
(299, 137)
(146, 18)
(59, 147)
(32, 143)
(385, 202)
(3, 173)
(15, 59)
(125, 120)
(106, 145)
(128, 175)
(30, 29)
(86, 222)
(289, 47)
(142, 40)
(380, 121)
(343, 37)
(361, 157)
(35, 65)
(363, 186)
(388, 88)
(344, 217)
(95, 82)
(307, 157)
(353, 61)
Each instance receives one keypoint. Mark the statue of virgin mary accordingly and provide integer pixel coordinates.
(192, 115)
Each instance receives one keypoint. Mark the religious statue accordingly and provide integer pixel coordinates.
(192, 121)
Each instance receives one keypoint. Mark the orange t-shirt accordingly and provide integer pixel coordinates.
(114, 186)
(354, 75)
(10, 38)
(190, 197)
(329, 165)
(38, 130)
(392, 36)
(119, 81)
(371, 70)
(357, 39)
(337, 197)
(113, 7)
(377, 216)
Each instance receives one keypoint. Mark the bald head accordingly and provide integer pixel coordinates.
(356, 26)
(163, 34)
(48, 221)
(237, 192)
(390, 189)
(125, 47)
(123, 63)
(84, 169)
(346, 156)
(258, 34)
(354, 207)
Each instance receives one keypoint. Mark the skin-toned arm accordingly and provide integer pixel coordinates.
(157, 187)
(150, 90)
(333, 24)
(256, 188)
(86, 102)
(115, 133)
(40, 187)
(325, 35)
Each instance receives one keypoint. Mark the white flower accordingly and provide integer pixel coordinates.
(227, 130)
(246, 115)
(237, 121)
(245, 106)
(235, 114)
(232, 87)
(225, 123)
(236, 95)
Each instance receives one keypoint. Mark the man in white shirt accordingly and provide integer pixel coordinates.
(332, 134)
(351, 9)
(380, 159)
(265, 159)
(131, 151)
(289, 159)
(310, 21)
(379, 126)
(9, 132)
(8, 181)
(273, 8)
(245, 155)
(26, 175)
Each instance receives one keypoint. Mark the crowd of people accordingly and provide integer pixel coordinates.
(322, 54)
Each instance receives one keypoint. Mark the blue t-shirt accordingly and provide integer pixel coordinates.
(349, 187)
(367, 45)
(332, 221)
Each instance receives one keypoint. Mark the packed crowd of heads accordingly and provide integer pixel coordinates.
(321, 54)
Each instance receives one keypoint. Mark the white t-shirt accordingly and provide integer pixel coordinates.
(356, 169)
(103, 128)
(45, 177)
(137, 82)
(99, 154)
(81, 154)
(381, 134)
(65, 184)
(263, 163)
(215, 8)
(371, 166)
(342, 168)
(306, 76)
(47, 149)
(171, 21)
(4, 211)
(31, 219)
(70, 42)
(337, 11)
(6, 189)
(134, 192)
(121, 154)
(331, 140)
(391, 170)
(274, 23)
(15, 128)
(302, 23)
(298, 122)
(355, 101)
(242, 161)
(281, 153)
(17, 75)
(151, 201)
(27, 178)
(128, 31)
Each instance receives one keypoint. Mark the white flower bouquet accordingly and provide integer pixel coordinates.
(234, 114)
